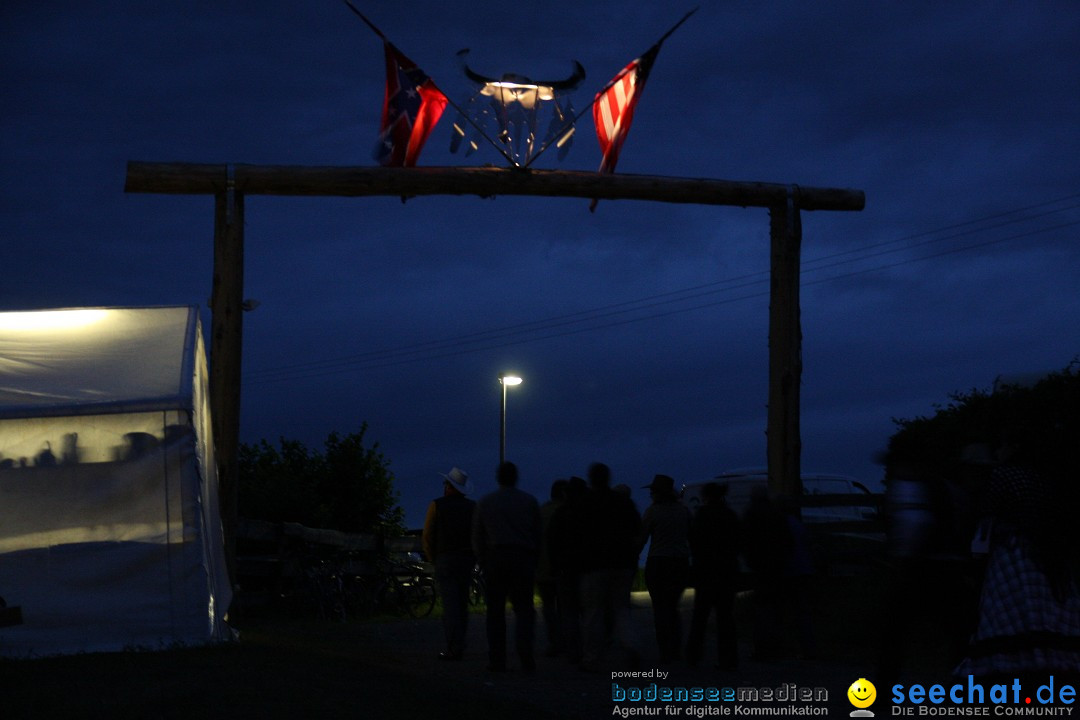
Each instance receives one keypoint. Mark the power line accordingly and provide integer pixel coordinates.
(967, 223)
(670, 297)
(393, 356)
(449, 351)
(562, 325)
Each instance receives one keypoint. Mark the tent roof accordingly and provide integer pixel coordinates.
(96, 360)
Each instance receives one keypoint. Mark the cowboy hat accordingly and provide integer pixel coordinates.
(459, 480)
(661, 483)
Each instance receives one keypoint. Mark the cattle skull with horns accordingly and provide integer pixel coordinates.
(513, 105)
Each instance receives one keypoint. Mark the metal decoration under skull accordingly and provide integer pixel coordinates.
(507, 112)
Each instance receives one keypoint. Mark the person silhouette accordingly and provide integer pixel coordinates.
(666, 523)
(714, 552)
(506, 539)
(447, 542)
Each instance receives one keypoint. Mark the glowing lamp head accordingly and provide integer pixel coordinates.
(509, 380)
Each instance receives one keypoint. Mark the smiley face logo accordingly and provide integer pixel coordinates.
(862, 693)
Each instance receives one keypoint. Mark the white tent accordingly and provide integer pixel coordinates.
(110, 534)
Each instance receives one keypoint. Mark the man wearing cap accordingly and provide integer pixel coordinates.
(447, 543)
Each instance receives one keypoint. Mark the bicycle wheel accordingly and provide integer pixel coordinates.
(328, 593)
(419, 597)
(336, 608)
(390, 597)
(476, 588)
(360, 596)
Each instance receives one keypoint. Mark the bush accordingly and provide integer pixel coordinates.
(1039, 425)
(346, 487)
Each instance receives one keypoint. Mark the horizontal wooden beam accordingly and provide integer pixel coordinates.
(184, 178)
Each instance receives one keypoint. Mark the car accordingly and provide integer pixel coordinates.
(841, 514)
(742, 482)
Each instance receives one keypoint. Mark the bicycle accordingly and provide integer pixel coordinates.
(397, 587)
(410, 588)
(477, 587)
(325, 588)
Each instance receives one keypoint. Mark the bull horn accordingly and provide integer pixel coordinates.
(569, 83)
(469, 72)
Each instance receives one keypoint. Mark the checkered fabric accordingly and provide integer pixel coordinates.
(1024, 625)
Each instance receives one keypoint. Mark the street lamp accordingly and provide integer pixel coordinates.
(505, 381)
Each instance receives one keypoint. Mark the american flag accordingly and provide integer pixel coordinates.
(613, 108)
(411, 108)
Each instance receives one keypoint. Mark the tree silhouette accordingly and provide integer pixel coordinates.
(347, 486)
(1038, 423)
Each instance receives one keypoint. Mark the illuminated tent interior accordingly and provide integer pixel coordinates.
(110, 534)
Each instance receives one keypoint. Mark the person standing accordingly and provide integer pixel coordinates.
(667, 569)
(447, 541)
(798, 582)
(564, 551)
(714, 552)
(767, 547)
(506, 535)
(1028, 624)
(547, 582)
(608, 526)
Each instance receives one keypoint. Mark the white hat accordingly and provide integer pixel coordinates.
(460, 480)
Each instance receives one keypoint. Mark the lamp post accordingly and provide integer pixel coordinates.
(505, 381)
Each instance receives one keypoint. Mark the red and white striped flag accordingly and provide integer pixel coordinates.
(613, 109)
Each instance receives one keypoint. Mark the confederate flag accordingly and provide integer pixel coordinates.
(411, 109)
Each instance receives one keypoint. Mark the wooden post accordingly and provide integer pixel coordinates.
(226, 307)
(784, 445)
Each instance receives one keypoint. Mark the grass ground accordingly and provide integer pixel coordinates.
(285, 667)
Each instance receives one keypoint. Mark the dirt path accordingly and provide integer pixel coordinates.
(561, 688)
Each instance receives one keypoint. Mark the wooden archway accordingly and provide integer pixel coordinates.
(230, 183)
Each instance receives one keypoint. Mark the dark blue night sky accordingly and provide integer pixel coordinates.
(640, 329)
